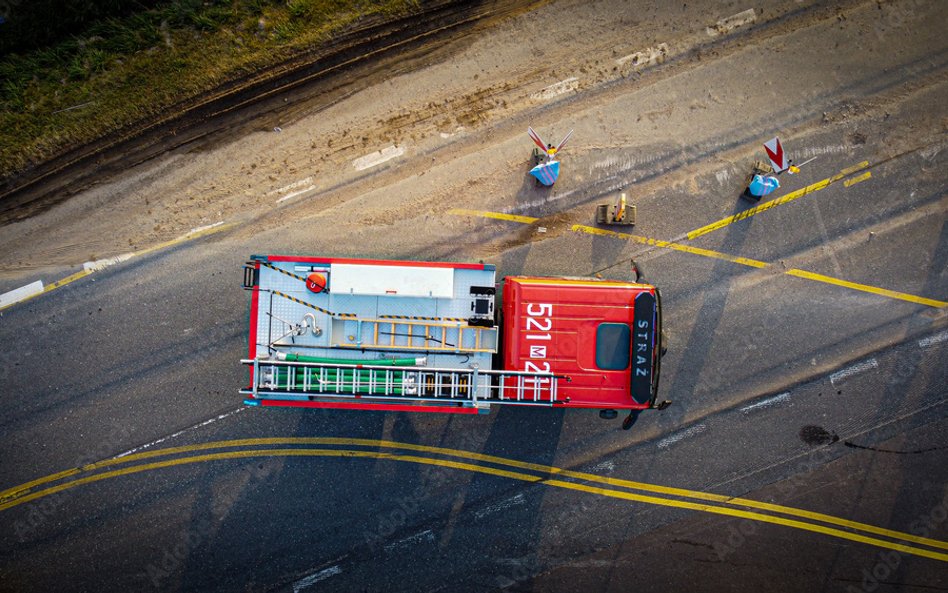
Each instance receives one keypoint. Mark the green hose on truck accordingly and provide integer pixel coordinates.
(335, 380)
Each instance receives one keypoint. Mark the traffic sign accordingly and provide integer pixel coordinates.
(778, 159)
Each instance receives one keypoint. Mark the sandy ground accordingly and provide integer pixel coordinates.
(643, 86)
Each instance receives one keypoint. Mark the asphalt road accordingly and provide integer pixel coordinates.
(807, 367)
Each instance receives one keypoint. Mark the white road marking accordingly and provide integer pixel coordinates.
(426, 535)
(527, 206)
(647, 57)
(18, 294)
(457, 131)
(929, 153)
(314, 578)
(378, 157)
(608, 466)
(296, 193)
(591, 564)
(180, 432)
(669, 441)
(500, 506)
(96, 265)
(93, 266)
(861, 367)
(767, 402)
(728, 24)
(827, 244)
(293, 185)
(933, 340)
(555, 90)
(206, 227)
(615, 164)
(805, 153)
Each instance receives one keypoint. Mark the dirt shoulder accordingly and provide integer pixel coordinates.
(658, 98)
(219, 115)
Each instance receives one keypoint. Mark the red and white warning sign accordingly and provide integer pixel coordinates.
(776, 155)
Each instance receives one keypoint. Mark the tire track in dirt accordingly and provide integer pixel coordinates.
(52, 182)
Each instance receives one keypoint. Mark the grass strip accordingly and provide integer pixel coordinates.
(123, 70)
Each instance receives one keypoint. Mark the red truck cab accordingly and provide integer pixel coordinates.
(604, 336)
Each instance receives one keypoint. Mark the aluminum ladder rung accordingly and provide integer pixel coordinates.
(466, 334)
(359, 380)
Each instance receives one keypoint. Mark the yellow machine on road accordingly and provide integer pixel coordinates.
(622, 213)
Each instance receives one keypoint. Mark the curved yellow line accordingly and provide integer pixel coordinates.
(263, 453)
(754, 517)
(486, 470)
(19, 492)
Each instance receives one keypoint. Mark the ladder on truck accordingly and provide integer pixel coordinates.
(432, 335)
(307, 381)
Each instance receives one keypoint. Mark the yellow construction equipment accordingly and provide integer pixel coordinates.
(622, 213)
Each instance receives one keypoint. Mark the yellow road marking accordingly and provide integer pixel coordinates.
(783, 199)
(486, 470)
(66, 280)
(670, 245)
(187, 237)
(497, 215)
(263, 453)
(849, 171)
(744, 261)
(855, 180)
(83, 273)
(892, 294)
(754, 517)
(22, 489)
(51, 287)
(20, 494)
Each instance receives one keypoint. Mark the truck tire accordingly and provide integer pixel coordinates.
(630, 419)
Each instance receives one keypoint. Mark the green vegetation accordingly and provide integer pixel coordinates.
(103, 73)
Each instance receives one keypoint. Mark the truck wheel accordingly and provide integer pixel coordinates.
(663, 345)
(608, 414)
(630, 419)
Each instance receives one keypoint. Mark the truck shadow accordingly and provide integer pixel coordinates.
(695, 350)
(913, 384)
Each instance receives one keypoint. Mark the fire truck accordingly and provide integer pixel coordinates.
(329, 332)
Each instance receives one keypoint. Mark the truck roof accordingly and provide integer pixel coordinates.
(583, 328)
(370, 309)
